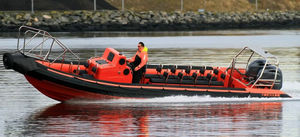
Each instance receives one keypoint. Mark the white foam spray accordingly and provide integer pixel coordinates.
(291, 88)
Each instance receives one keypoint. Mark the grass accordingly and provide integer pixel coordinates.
(154, 5)
(208, 5)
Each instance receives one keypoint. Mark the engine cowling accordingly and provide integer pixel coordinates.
(255, 68)
(269, 73)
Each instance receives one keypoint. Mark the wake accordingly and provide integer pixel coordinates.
(290, 87)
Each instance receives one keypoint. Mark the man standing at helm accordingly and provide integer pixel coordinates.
(138, 62)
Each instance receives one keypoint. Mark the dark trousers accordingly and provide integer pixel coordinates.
(137, 76)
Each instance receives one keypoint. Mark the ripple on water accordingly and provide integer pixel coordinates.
(26, 112)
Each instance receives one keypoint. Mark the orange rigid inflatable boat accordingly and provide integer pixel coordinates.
(57, 72)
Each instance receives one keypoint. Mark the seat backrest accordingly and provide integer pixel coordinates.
(194, 75)
(202, 70)
(173, 69)
(187, 70)
(180, 75)
(158, 69)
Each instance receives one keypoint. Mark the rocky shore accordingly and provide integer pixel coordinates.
(113, 20)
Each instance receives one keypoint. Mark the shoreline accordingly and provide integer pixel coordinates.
(113, 20)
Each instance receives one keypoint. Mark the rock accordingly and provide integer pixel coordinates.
(36, 23)
(160, 20)
(114, 15)
(19, 17)
(27, 16)
(136, 19)
(47, 17)
(74, 18)
(64, 19)
(29, 24)
(130, 17)
(96, 19)
(35, 19)
(163, 13)
(124, 22)
(143, 22)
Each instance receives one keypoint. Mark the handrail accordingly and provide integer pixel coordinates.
(269, 58)
(25, 31)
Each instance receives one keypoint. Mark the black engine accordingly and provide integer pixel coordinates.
(255, 69)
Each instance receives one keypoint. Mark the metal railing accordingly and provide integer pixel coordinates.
(259, 81)
(41, 44)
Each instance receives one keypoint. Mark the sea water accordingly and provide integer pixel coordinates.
(24, 111)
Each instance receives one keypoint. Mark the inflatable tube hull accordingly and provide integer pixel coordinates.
(64, 86)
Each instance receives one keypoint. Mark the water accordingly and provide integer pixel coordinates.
(26, 112)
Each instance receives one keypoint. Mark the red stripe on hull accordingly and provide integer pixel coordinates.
(63, 93)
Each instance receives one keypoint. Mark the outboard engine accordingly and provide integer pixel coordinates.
(255, 69)
(269, 73)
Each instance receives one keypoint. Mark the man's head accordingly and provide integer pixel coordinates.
(141, 46)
